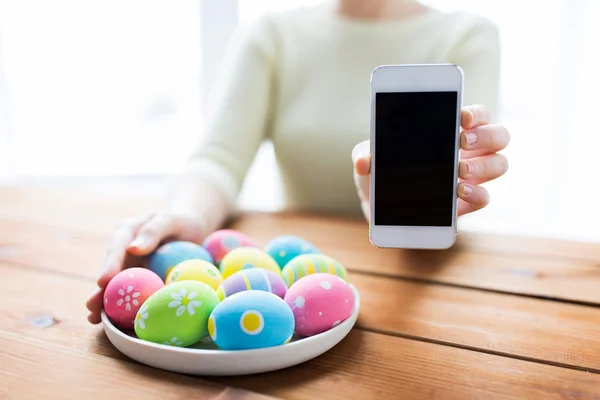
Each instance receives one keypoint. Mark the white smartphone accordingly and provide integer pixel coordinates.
(415, 143)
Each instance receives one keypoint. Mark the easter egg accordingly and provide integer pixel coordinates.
(252, 279)
(176, 314)
(221, 242)
(319, 302)
(306, 264)
(284, 248)
(195, 270)
(251, 319)
(245, 258)
(126, 292)
(170, 254)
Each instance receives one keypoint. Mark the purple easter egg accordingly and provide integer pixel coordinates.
(253, 279)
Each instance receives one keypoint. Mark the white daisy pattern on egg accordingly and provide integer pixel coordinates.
(184, 301)
(141, 317)
(173, 342)
(326, 285)
(299, 302)
(128, 298)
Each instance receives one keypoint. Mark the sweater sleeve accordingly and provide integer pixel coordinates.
(238, 112)
(477, 52)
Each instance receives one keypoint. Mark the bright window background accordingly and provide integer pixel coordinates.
(116, 88)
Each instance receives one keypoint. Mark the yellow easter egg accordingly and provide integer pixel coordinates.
(247, 257)
(196, 270)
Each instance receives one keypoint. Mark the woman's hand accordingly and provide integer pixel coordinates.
(479, 141)
(136, 238)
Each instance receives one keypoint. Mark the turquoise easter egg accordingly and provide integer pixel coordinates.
(177, 314)
(252, 279)
(167, 256)
(285, 248)
(250, 320)
(307, 264)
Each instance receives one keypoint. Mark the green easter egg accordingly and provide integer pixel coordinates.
(307, 264)
(176, 314)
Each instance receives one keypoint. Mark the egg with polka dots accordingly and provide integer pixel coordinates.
(306, 264)
(319, 302)
(222, 241)
(286, 247)
(167, 256)
(250, 320)
(196, 270)
(245, 258)
(126, 292)
(252, 279)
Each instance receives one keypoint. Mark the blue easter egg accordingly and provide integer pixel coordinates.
(251, 319)
(287, 247)
(167, 256)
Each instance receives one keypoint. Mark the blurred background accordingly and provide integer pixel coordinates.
(108, 95)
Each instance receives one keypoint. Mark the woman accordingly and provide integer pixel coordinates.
(301, 79)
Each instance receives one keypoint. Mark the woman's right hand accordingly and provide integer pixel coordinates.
(136, 238)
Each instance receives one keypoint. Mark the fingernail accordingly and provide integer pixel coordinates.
(467, 190)
(471, 138)
(470, 168)
(138, 242)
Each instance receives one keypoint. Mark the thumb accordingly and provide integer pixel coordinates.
(361, 159)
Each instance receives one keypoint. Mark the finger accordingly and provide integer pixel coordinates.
(113, 261)
(361, 150)
(94, 305)
(471, 198)
(362, 166)
(485, 139)
(483, 169)
(94, 318)
(475, 115)
(152, 233)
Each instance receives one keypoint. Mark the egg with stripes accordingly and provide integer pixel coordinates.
(168, 255)
(286, 247)
(246, 258)
(252, 279)
(307, 264)
(319, 302)
(196, 270)
(251, 319)
(222, 241)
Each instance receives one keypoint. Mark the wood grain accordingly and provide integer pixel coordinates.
(33, 369)
(490, 322)
(46, 331)
(550, 332)
(577, 280)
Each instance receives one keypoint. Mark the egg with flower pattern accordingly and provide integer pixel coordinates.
(126, 292)
(246, 258)
(250, 320)
(222, 241)
(177, 314)
(252, 279)
(307, 264)
(319, 303)
(195, 270)
(286, 247)
(167, 256)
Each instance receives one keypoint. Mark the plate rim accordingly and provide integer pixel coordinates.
(304, 341)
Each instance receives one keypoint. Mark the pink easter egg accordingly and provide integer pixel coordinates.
(319, 302)
(126, 292)
(221, 242)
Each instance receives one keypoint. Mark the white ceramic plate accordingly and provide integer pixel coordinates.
(205, 358)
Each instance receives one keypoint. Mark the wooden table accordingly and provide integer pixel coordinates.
(494, 317)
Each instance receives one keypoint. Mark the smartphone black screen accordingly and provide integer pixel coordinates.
(415, 136)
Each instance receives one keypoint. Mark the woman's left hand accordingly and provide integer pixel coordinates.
(480, 162)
